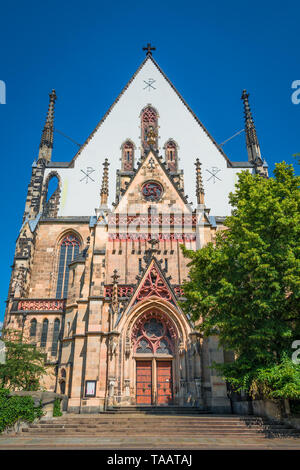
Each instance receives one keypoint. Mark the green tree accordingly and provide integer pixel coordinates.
(246, 286)
(24, 363)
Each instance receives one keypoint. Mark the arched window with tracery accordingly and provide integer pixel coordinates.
(44, 333)
(171, 155)
(127, 156)
(149, 123)
(154, 333)
(69, 249)
(55, 337)
(33, 324)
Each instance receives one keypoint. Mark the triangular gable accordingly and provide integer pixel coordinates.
(221, 151)
(153, 284)
(156, 170)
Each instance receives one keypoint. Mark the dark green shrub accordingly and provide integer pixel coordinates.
(56, 407)
(13, 408)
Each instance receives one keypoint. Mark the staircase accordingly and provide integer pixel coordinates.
(138, 423)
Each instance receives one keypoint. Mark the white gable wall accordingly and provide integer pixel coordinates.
(123, 122)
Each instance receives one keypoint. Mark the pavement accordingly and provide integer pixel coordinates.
(20, 442)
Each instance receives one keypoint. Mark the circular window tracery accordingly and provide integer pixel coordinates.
(154, 334)
(152, 191)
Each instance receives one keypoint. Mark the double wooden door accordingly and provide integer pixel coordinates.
(154, 380)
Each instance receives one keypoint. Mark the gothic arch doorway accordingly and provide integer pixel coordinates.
(154, 341)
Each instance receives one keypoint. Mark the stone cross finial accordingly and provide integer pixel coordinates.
(149, 49)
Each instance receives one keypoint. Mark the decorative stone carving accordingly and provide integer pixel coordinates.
(127, 387)
(195, 344)
(18, 283)
(127, 345)
(181, 348)
(198, 387)
(113, 343)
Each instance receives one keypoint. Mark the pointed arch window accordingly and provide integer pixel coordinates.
(149, 122)
(127, 156)
(69, 249)
(171, 155)
(55, 337)
(51, 195)
(33, 324)
(44, 333)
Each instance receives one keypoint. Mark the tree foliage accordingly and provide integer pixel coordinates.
(24, 363)
(246, 285)
(14, 408)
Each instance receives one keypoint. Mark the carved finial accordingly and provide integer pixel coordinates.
(199, 183)
(115, 276)
(151, 251)
(149, 49)
(252, 144)
(115, 293)
(46, 144)
(104, 187)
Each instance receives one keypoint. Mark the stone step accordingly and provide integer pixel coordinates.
(165, 435)
(153, 419)
(162, 424)
(172, 426)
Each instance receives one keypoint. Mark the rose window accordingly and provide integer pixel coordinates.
(154, 335)
(152, 191)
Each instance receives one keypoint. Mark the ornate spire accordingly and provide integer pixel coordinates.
(199, 183)
(46, 145)
(104, 187)
(252, 144)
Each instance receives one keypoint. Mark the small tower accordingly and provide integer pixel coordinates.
(46, 145)
(199, 183)
(252, 144)
(104, 187)
(35, 187)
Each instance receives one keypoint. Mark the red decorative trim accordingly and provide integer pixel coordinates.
(127, 291)
(46, 305)
(154, 219)
(123, 291)
(154, 285)
(181, 237)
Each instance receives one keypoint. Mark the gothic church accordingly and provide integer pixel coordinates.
(98, 270)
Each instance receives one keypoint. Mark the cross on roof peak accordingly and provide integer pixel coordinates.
(149, 49)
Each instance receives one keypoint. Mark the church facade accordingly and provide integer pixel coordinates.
(98, 269)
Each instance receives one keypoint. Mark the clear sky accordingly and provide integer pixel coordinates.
(87, 50)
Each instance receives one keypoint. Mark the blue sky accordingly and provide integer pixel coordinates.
(88, 50)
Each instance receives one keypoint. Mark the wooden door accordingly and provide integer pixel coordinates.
(144, 382)
(164, 382)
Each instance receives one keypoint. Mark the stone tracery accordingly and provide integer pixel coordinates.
(154, 333)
